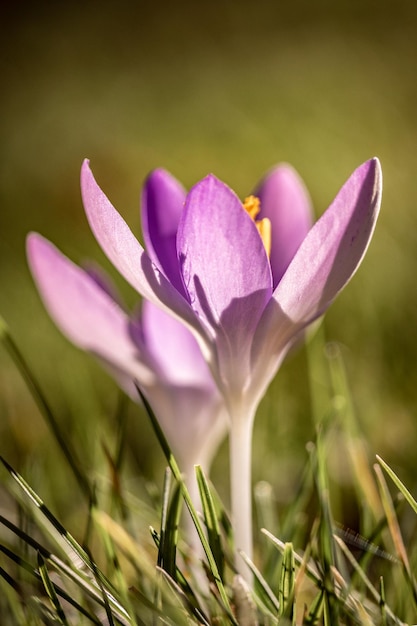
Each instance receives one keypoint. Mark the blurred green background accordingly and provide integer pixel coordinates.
(231, 88)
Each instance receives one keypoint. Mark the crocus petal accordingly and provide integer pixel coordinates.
(225, 268)
(128, 256)
(163, 200)
(193, 419)
(286, 202)
(323, 264)
(334, 247)
(88, 316)
(174, 349)
(103, 280)
(184, 398)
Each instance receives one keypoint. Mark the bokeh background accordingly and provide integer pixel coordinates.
(227, 87)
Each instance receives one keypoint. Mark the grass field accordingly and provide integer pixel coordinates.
(200, 88)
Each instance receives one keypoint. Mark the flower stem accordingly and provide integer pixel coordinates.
(241, 489)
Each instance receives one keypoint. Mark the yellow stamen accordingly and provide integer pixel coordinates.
(264, 229)
(252, 205)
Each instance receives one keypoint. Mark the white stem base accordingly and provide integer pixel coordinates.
(241, 489)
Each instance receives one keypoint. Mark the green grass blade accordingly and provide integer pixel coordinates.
(46, 411)
(159, 539)
(11, 592)
(222, 516)
(210, 518)
(169, 535)
(9, 580)
(27, 567)
(185, 494)
(164, 514)
(286, 584)
(182, 583)
(184, 599)
(395, 531)
(50, 591)
(71, 547)
(382, 602)
(106, 603)
(407, 495)
(262, 588)
(316, 609)
(75, 547)
(326, 551)
(362, 575)
(310, 570)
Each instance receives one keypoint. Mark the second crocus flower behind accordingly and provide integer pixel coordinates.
(149, 348)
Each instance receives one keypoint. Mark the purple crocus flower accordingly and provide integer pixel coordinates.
(247, 288)
(206, 263)
(152, 348)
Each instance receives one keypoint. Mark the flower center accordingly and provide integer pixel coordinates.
(252, 205)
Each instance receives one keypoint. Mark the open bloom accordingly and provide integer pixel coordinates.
(207, 265)
(152, 348)
(246, 286)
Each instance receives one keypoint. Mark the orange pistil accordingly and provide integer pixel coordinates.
(252, 205)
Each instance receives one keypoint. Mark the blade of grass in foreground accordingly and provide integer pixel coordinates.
(210, 518)
(45, 410)
(177, 475)
(286, 584)
(362, 574)
(310, 570)
(50, 590)
(181, 597)
(169, 533)
(77, 550)
(326, 551)
(264, 591)
(57, 590)
(160, 539)
(382, 603)
(394, 528)
(74, 551)
(407, 495)
(12, 597)
(185, 593)
(115, 570)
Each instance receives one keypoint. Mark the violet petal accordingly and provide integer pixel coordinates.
(127, 255)
(163, 200)
(88, 316)
(286, 202)
(225, 267)
(174, 349)
(334, 247)
(322, 266)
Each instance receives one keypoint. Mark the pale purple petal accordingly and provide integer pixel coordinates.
(126, 253)
(324, 263)
(174, 349)
(193, 419)
(286, 202)
(225, 267)
(83, 311)
(103, 280)
(334, 247)
(163, 200)
(275, 335)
